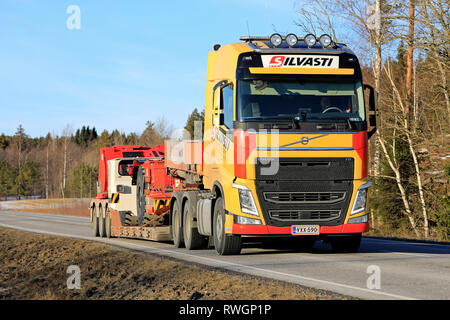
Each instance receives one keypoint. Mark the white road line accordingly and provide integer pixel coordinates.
(170, 252)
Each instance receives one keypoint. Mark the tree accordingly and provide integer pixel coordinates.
(4, 141)
(194, 117)
(104, 140)
(155, 133)
(27, 179)
(82, 181)
(8, 175)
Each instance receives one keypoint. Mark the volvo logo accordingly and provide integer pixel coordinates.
(304, 141)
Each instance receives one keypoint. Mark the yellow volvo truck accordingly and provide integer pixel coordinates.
(283, 152)
(285, 146)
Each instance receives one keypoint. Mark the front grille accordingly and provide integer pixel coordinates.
(306, 191)
(304, 215)
(304, 197)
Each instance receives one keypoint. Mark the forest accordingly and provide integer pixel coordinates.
(403, 47)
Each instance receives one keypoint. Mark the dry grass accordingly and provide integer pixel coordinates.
(35, 267)
(73, 207)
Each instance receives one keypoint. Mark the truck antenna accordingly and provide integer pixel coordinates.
(248, 29)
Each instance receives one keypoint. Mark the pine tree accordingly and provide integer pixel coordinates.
(190, 123)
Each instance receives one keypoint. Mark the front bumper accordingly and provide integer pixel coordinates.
(243, 229)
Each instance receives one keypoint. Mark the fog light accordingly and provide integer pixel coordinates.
(245, 220)
(325, 40)
(291, 39)
(362, 219)
(276, 39)
(310, 40)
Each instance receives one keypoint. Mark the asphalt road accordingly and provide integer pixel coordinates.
(382, 269)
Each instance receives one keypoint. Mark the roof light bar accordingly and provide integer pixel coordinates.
(292, 40)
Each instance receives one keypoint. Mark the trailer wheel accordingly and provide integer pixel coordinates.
(346, 244)
(101, 223)
(224, 244)
(177, 228)
(107, 223)
(94, 221)
(192, 239)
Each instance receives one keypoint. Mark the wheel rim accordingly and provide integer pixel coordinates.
(187, 225)
(176, 224)
(219, 225)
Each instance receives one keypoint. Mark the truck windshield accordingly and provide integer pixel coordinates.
(260, 100)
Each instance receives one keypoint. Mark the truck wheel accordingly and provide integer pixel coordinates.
(192, 239)
(224, 244)
(177, 230)
(346, 244)
(94, 221)
(107, 223)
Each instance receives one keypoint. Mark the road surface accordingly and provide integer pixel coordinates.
(382, 269)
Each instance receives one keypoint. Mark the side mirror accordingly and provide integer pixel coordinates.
(373, 116)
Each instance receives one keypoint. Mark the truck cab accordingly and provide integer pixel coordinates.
(286, 134)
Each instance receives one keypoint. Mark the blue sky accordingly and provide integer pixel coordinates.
(130, 62)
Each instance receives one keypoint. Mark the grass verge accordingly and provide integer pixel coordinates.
(35, 267)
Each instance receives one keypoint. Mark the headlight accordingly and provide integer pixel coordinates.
(276, 39)
(325, 40)
(246, 200)
(291, 39)
(360, 200)
(310, 40)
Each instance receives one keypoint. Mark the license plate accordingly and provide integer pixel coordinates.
(302, 230)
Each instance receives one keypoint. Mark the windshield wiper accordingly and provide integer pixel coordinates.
(350, 125)
(294, 120)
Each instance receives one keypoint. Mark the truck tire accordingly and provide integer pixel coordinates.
(192, 239)
(177, 227)
(223, 243)
(107, 223)
(101, 223)
(140, 196)
(346, 244)
(94, 221)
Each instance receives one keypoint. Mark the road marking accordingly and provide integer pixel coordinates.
(118, 242)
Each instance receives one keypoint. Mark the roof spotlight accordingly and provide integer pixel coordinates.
(276, 39)
(310, 40)
(325, 40)
(291, 39)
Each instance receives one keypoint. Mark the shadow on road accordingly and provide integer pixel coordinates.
(368, 245)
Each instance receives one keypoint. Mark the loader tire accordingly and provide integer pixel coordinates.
(101, 223)
(140, 196)
(107, 224)
(223, 243)
(94, 221)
